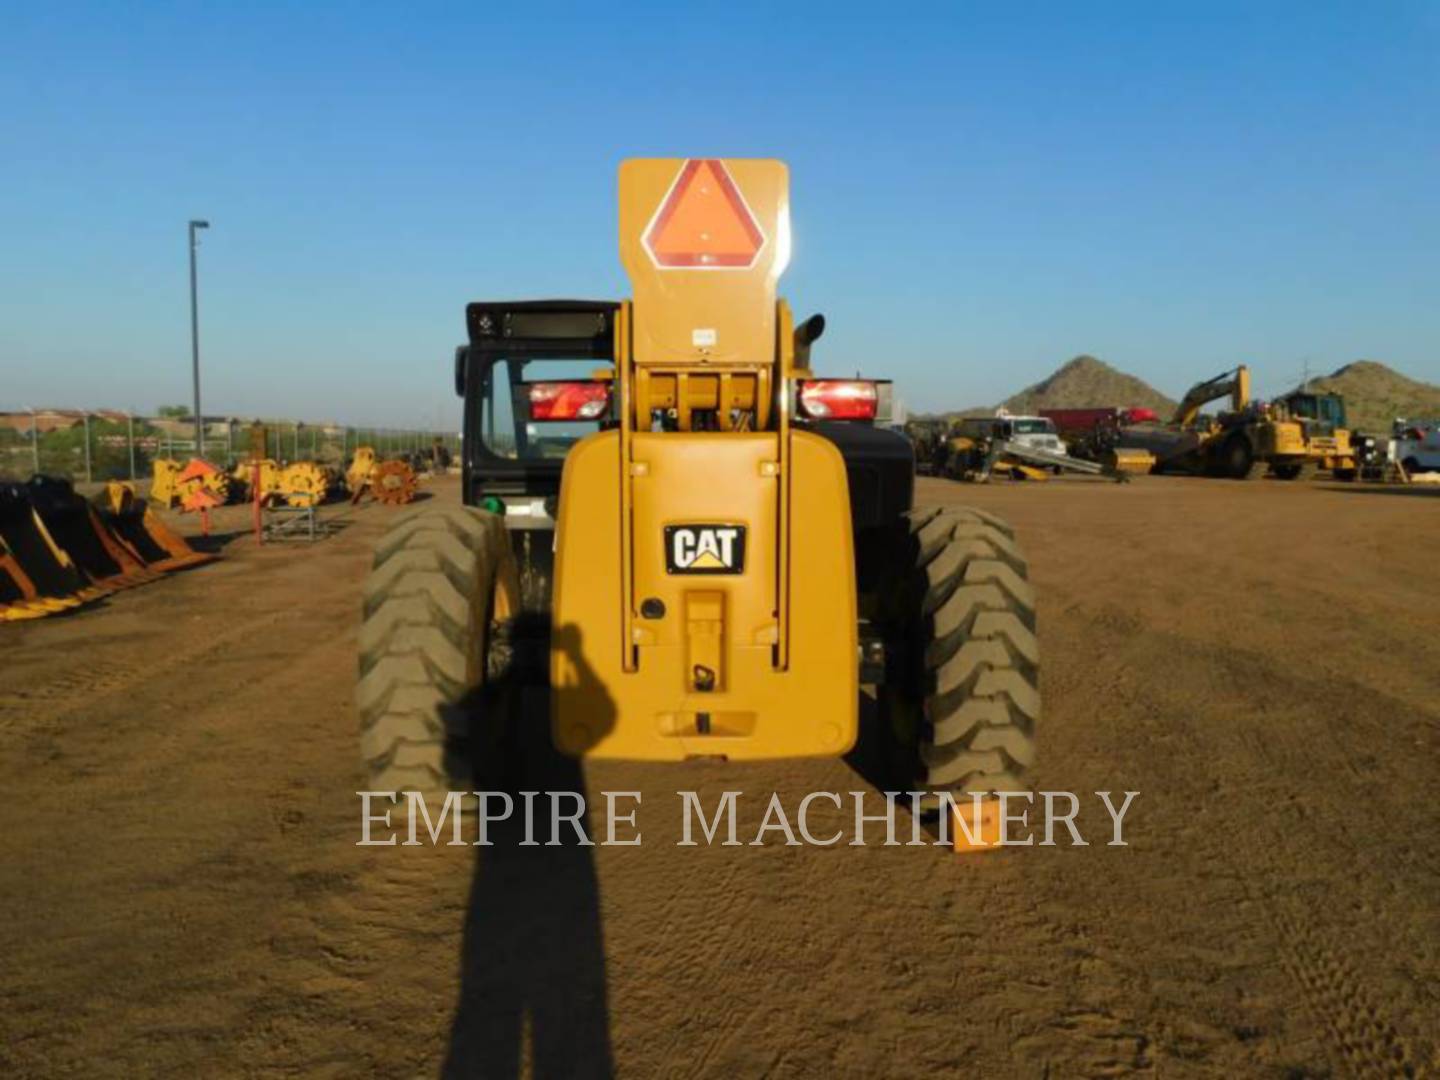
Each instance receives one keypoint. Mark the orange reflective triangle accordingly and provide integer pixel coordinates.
(703, 223)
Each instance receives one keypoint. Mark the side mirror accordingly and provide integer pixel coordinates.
(462, 356)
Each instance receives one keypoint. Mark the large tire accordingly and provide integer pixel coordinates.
(1239, 460)
(429, 601)
(1303, 471)
(962, 700)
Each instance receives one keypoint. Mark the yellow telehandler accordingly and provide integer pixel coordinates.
(698, 546)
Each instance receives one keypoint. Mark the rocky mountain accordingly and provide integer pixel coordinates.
(1375, 395)
(1087, 381)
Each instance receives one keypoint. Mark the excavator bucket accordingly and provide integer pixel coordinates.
(45, 569)
(130, 519)
(75, 526)
(19, 599)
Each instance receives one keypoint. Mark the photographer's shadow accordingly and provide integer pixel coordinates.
(532, 963)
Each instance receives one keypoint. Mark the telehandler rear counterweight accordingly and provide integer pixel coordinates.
(692, 541)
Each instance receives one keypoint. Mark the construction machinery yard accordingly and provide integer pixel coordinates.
(184, 893)
(810, 621)
(720, 541)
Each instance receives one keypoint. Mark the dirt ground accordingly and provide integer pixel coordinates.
(182, 893)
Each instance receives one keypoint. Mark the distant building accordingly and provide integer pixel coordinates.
(42, 420)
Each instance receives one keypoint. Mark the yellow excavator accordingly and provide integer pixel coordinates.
(1243, 443)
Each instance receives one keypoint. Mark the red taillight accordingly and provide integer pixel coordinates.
(568, 400)
(838, 399)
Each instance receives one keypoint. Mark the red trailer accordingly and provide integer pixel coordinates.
(1078, 423)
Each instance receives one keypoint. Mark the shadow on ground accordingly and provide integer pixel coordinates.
(532, 965)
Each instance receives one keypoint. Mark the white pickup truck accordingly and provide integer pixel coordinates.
(1416, 445)
(1032, 432)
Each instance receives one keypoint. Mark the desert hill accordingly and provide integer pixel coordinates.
(1375, 395)
(1088, 381)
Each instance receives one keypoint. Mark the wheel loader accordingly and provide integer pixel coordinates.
(1338, 449)
(693, 544)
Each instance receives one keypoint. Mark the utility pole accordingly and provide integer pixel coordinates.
(195, 338)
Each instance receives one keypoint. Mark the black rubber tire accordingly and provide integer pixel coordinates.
(963, 701)
(1239, 461)
(428, 603)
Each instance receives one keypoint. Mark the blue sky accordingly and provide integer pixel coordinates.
(979, 192)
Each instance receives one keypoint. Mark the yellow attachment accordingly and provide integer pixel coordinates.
(270, 484)
(305, 484)
(361, 466)
(19, 599)
(1130, 460)
(1018, 470)
(173, 484)
(142, 529)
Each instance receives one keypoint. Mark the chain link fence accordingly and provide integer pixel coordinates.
(88, 446)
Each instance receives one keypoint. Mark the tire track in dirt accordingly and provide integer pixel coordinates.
(76, 690)
(1363, 1036)
(1362, 1033)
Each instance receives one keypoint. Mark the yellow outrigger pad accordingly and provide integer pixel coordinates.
(975, 824)
(1130, 460)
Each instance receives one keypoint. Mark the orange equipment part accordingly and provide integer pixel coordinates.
(393, 483)
(982, 818)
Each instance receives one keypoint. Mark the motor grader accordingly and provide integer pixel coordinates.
(704, 549)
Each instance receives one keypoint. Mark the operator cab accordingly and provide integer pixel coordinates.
(1326, 411)
(537, 377)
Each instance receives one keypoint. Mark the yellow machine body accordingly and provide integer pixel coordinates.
(704, 596)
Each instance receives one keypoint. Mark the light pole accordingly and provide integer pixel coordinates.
(195, 339)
